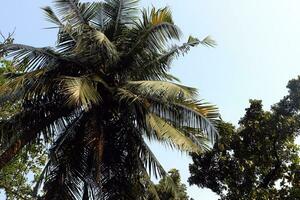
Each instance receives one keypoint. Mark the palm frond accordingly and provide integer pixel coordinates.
(150, 161)
(34, 58)
(52, 17)
(40, 180)
(176, 51)
(47, 120)
(208, 41)
(100, 20)
(81, 91)
(161, 89)
(15, 86)
(71, 11)
(62, 183)
(108, 47)
(156, 29)
(166, 132)
(120, 12)
(68, 172)
(197, 115)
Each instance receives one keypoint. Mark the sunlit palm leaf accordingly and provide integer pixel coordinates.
(81, 91)
(202, 116)
(155, 30)
(168, 133)
(108, 46)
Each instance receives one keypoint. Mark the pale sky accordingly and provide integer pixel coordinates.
(258, 52)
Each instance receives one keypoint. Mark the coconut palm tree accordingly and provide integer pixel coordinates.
(98, 95)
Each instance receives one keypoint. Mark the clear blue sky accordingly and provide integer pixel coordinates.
(258, 52)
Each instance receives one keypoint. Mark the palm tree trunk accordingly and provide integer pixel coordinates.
(9, 154)
(96, 130)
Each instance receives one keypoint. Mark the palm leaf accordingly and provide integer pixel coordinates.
(52, 17)
(161, 89)
(120, 12)
(80, 91)
(203, 117)
(156, 29)
(100, 20)
(168, 133)
(71, 11)
(107, 45)
(34, 58)
(150, 161)
(176, 51)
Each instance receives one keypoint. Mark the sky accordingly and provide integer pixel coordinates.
(258, 52)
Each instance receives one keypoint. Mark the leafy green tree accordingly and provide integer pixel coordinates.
(98, 94)
(171, 190)
(260, 159)
(19, 177)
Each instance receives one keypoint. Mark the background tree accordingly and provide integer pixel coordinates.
(18, 178)
(259, 160)
(98, 94)
(174, 190)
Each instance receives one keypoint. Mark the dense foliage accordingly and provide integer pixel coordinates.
(18, 178)
(95, 97)
(167, 191)
(260, 159)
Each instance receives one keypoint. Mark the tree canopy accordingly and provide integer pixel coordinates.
(260, 159)
(171, 190)
(94, 98)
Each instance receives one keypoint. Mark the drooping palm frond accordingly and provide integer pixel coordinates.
(31, 124)
(52, 17)
(201, 115)
(166, 132)
(150, 161)
(184, 113)
(16, 85)
(67, 169)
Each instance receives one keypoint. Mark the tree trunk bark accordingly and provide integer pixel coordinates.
(96, 129)
(9, 154)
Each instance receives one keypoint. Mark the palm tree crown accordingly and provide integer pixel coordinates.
(96, 97)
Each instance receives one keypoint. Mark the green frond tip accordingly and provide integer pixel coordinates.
(192, 41)
(208, 41)
(160, 16)
(51, 16)
(80, 91)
